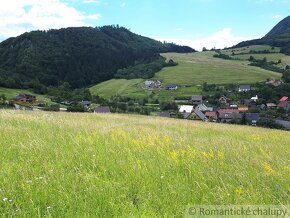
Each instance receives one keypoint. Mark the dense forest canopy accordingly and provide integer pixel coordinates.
(80, 56)
(279, 36)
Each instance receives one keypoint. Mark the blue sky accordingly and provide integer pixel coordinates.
(197, 23)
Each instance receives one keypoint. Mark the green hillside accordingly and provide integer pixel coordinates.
(12, 93)
(121, 87)
(192, 71)
(197, 68)
(135, 166)
(79, 56)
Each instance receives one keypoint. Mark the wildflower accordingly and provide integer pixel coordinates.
(267, 168)
(174, 155)
(239, 190)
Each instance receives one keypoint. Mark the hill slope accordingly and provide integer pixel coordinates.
(279, 36)
(120, 165)
(80, 56)
(192, 71)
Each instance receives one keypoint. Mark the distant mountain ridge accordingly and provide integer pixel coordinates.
(279, 36)
(80, 56)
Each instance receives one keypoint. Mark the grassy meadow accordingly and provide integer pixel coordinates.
(200, 67)
(192, 71)
(12, 93)
(93, 165)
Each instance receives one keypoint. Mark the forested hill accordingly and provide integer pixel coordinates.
(279, 36)
(80, 56)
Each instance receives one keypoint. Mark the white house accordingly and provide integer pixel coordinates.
(255, 98)
(186, 109)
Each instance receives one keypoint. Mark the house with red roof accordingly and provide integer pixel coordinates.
(284, 103)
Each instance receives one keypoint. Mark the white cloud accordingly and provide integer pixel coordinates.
(179, 29)
(221, 39)
(19, 16)
(92, 1)
(278, 16)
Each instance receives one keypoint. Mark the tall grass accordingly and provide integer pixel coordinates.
(71, 165)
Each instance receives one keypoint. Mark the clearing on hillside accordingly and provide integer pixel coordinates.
(93, 165)
(192, 71)
(200, 67)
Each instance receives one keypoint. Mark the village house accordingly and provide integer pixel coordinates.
(102, 110)
(171, 87)
(164, 114)
(204, 108)
(252, 118)
(199, 115)
(196, 100)
(244, 88)
(274, 82)
(224, 100)
(226, 117)
(271, 105)
(25, 98)
(284, 123)
(284, 103)
(151, 84)
(243, 109)
(86, 103)
(186, 110)
(211, 115)
(255, 98)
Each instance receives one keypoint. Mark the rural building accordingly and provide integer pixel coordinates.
(204, 108)
(284, 103)
(224, 100)
(86, 103)
(255, 98)
(225, 117)
(242, 109)
(200, 115)
(271, 105)
(284, 123)
(244, 88)
(152, 84)
(211, 115)
(252, 118)
(25, 98)
(196, 100)
(274, 82)
(171, 87)
(185, 109)
(102, 110)
(164, 114)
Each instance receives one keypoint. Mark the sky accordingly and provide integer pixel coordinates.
(196, 23)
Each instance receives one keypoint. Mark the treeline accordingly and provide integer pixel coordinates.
(144, 70)
(79, 56)
(264, 64)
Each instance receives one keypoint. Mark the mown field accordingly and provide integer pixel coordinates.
(244, 53)
(89, 165)
(200, 67)
(193, 70)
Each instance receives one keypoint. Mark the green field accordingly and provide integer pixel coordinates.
(251, 48)
(89, 165)
(193, 70)
(285, 59)
(200, 67)
(12, 93)
(123, 87)
(133, 88)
